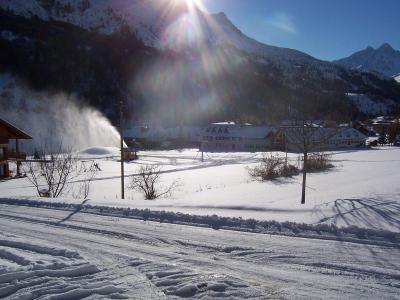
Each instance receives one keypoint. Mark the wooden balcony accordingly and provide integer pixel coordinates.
(17, 156)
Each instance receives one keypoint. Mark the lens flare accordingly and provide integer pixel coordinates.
(184, 84)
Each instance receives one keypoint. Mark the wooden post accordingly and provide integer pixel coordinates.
(303, 191)
(121, 125)
(6, 168)
(17, 157)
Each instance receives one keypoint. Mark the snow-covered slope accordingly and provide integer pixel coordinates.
(228, 33)
(157, 23)
(145, 18)
(384, 60)
(369, 105)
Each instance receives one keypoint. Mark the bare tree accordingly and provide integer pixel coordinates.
(148, 182)
(306, 137)
(52, 173)
(89, 170)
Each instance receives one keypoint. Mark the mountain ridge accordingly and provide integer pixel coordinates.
(174, 68)
(383, 59)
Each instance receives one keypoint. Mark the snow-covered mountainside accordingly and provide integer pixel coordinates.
(134, 48)
(384, 60)
(154, 22)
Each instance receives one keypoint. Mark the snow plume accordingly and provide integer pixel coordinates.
(53, 119)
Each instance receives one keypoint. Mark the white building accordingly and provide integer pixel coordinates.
(231, 137)
(319, 138)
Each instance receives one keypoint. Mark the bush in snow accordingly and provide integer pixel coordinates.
(317, 162)
(148, 182)
(53, 173)
(271, 167)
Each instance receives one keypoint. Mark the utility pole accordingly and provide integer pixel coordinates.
(121, 132)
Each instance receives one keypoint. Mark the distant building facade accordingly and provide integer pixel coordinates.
(317, 138)
(232, 137)
(382, 124)
(148, 137)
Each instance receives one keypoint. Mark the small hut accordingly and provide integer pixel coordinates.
(129, 153)
(10, 132)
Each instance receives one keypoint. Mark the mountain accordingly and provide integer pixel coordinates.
(173, 64)
(156, 23)
(384, 60)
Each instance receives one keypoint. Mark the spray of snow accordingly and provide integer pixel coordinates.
(53, 119)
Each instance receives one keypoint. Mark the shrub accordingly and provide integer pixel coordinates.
(317, 162)
(271, 167)
(148, 182)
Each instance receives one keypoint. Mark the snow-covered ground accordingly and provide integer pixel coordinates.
(53, 254)
(361, 190)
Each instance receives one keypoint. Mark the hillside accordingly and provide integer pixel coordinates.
(173, 65)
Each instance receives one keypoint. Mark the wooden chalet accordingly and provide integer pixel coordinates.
(9, 132)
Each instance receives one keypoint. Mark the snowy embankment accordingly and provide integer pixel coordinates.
(362, 190)
(47, 253)
(318, 231)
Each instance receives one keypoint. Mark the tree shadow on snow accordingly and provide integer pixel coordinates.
(77, 209)
(376, 212)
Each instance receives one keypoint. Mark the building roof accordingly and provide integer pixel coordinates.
(14, 132)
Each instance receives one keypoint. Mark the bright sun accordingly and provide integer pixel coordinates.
(191, 3)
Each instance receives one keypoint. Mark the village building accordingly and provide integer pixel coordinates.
(149, 137)
(231, 137)
(9, 132)
(317, 138)
(382, 124)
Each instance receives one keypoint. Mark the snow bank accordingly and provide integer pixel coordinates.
(98, 151)
(318, 231)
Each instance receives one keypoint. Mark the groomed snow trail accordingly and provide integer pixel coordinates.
(51, 254)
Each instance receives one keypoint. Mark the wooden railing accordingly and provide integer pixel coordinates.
(15, 156)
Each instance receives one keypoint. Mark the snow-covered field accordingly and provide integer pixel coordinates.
(60, 252)
(53, 254)
(363, 189)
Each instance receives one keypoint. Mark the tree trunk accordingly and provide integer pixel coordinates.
(303, 193)
(17, 157)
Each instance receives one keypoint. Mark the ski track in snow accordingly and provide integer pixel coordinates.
(45, 255)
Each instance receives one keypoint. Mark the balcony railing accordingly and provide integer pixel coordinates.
(15, 156)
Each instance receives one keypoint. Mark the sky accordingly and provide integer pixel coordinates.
(325, 29)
